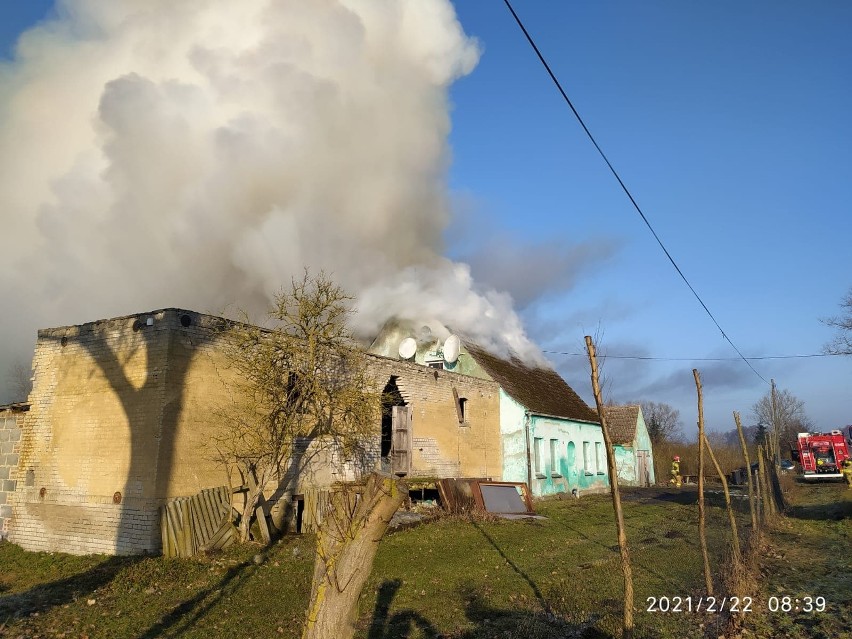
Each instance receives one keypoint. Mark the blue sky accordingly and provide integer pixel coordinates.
(728, 122)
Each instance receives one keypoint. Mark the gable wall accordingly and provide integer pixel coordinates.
(643, 442)
(119, 416)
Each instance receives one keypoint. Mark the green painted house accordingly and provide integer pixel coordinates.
(551, 439)
(634, 455)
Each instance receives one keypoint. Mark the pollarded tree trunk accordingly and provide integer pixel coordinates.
(348, 538)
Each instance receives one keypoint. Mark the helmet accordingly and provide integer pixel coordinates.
(676, 458)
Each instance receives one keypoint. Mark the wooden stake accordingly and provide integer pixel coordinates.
(748, 470)
(731, 517)
(757, 498)
(627, 630)
(774, 458)
(764, 487)
(768, 469)
(702, 535)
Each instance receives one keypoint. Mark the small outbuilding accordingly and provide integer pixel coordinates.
(634, 458)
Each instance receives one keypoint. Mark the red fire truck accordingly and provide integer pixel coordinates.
(821, 454)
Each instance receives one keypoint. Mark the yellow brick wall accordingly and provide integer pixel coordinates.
(441, 446)
(119, 406)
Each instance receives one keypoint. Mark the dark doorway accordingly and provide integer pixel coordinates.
(390, 397)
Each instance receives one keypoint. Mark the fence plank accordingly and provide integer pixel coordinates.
(211, 520)
(187, 524)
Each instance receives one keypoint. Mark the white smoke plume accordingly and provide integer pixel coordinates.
(199, 153)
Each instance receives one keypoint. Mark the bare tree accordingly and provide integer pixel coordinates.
(662, 420)
(842, 343)
(788, 416)
(300, 391)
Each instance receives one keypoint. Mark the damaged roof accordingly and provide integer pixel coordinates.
(621, 422)
(539, 390)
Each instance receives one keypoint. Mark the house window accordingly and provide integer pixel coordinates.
(463, 409)
(436, 365)
(599, 463)
(554, 458)
(537, 455)
(587, 457)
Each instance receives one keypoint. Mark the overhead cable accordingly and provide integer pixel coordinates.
(699, 359)
(625, 189)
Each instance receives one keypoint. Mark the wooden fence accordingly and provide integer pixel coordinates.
(192, 524)
(315, 504)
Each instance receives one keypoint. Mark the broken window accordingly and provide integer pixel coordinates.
(460, 406)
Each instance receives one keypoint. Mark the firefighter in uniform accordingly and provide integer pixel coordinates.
(846, 469)
(675, 472)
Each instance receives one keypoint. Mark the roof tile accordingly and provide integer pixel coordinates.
(540, 390)
(621, 422)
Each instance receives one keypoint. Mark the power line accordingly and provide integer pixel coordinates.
(698, 359)
(624, 187)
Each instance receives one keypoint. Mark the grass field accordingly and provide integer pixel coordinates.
(555, 577)
(808, 554)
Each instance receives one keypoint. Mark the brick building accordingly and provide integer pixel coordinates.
(122, 409)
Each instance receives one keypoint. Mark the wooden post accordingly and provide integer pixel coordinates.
(627, 629)
(764, 488)
(757, 498)
(769, 469)
(731, 517)
(702, 534)
(775, 457)
(751, 504)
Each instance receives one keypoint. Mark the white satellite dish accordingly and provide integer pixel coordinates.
(407, 348)
(451, 349)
